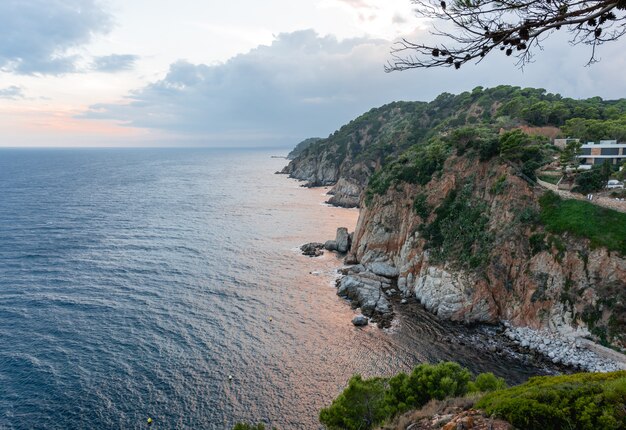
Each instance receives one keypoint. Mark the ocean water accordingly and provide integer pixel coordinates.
(133, 282)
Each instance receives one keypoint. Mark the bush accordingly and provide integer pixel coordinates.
(360, 406)
(366, 403)
(592, 180)
(537, 243)
(416, 166)
(427, 382)
(486, 382)
(245, 426)
(420, 206)
(585, 401)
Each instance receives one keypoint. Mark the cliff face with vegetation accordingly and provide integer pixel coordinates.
(447, 204)
(471, 246)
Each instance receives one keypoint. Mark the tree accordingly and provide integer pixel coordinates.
(359, 407)
(515, 27)
(569, 155)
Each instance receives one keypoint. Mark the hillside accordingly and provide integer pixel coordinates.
(450, 214)
(348, 157)
(300, 147)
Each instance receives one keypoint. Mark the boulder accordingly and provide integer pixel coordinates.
(350, 259)
(365, 293)
(360, 320)
(313, 249)
(384, 269)
(343, 240)
(330, 245)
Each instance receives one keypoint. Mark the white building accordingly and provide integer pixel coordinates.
(605, 151)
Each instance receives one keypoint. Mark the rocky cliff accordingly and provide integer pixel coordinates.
(447, 218)
(479, 253)
(349, 156)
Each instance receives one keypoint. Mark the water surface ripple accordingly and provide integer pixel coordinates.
(133, 282)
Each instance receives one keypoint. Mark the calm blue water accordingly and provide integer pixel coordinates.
(133, 282)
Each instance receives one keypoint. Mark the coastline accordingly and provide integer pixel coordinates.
(372, 290)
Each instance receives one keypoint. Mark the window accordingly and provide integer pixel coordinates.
(609, 151)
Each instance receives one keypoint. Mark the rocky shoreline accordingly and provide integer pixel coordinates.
(562, 349)
(373, 289)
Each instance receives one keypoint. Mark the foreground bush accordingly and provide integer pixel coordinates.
(366, 403)
(585, 401)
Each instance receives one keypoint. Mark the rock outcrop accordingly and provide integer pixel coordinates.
(313, 249)
(345, 159)
(564, 285)
(368, 292)
(446, 220)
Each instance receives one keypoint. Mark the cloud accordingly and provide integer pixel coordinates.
(114, 63)
(38, 36)
(399, 19)
(298, 84)
(12, 93)
(304, 84)
(357, 4)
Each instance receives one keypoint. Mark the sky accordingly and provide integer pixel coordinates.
(239, 73)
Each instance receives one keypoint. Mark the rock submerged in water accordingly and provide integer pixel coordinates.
(313, 249)
(360, 320)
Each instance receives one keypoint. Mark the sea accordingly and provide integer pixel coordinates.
(168, 284)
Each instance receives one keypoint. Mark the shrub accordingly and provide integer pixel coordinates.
(416, 166)
(246, 426)
(360, 406)
(585, 401)
(420, 206)
(460, 233)
(537, 243)
(592, 180)
(486, 382)
(499, 185)
(368, 402)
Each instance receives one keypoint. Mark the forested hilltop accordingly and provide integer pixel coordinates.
(349, 156)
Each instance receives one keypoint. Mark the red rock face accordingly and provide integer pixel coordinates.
(564, 284)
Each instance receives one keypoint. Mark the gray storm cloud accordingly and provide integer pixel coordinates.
(114, 63)
(41, 36)
(11, 93)
(304, 84)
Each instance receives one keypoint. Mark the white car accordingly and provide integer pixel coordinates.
(614, 184)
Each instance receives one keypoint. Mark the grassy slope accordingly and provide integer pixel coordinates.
(603, 227)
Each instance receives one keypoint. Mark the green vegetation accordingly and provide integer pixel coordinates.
(586, 401)
(300, 147)
(421, 207)
(415, 166)
(459, 233)
(593, 180)
(603, 227)
(499, 185)
(361, 405)
(386, 141)
(569, 154)
(366, 403)
(523, 149)
(246, 426)
(549, 179)
(590, 129)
